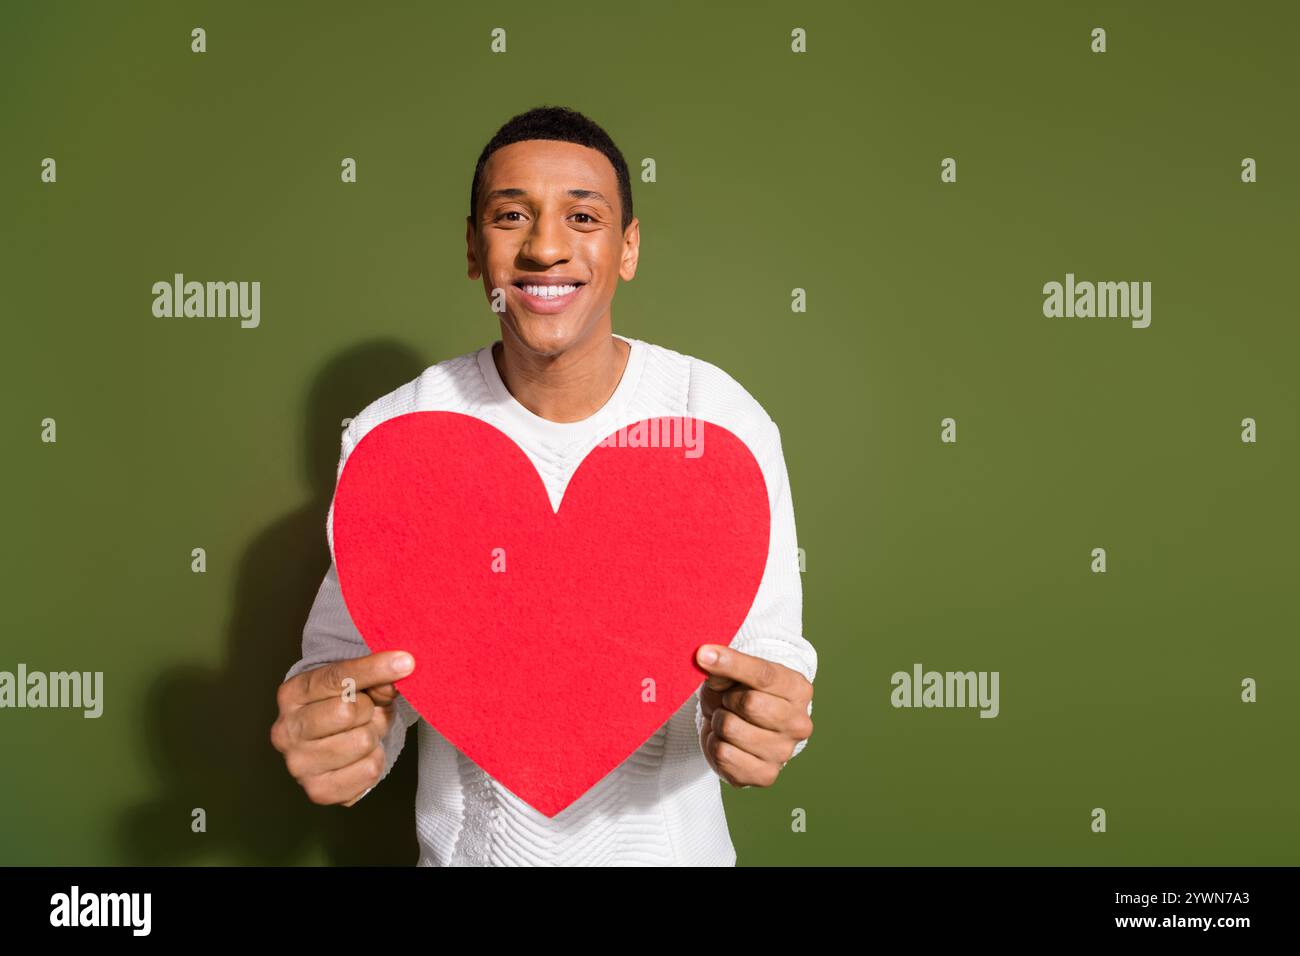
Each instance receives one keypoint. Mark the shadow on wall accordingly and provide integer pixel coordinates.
(208, 732)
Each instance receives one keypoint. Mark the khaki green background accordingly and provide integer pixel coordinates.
(775, 171)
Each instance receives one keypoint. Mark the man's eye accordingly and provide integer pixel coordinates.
(516, 212)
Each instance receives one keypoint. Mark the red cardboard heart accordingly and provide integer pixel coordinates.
(549, 645)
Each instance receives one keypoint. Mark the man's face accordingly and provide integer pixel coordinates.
(548, 211)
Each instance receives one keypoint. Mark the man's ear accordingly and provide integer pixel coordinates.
(631, 250)
(470, 258)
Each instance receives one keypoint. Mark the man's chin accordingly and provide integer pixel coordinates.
(546, 335)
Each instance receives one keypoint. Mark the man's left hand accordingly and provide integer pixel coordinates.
(755, 711)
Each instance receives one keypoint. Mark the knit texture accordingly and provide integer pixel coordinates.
(663, 804)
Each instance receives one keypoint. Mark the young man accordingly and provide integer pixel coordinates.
(550, 233)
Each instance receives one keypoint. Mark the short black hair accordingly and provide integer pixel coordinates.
(562, 123)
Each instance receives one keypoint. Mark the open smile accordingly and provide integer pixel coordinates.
(548, 299)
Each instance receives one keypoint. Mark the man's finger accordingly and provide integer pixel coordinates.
(373, 670)
(383, 695)
(738, 767)
(767, 745)
(756, 672)
(316, 757)
(347, 783)
(762, 709)
(718, 682)
(383, 718)
(711, 698)
(324, 718)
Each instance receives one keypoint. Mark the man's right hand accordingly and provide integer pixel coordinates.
(332, 745)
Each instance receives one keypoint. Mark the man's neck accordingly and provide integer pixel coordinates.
(564, 388)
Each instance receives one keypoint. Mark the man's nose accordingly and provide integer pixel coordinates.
(547, 241)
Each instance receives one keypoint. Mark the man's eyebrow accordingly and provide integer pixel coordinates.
(514, 192)
(590, 194)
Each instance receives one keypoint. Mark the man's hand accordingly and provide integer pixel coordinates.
(330, 738)
(755, 711)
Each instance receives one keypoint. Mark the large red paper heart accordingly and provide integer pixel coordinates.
(550, 673)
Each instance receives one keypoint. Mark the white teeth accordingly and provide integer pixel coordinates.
(549, 291)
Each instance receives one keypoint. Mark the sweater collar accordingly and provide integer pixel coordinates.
(605, 420)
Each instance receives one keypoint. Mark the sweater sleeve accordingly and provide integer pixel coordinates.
(773, 628)
(330, 635)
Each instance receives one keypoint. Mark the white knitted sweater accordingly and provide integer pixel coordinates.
(663, 804)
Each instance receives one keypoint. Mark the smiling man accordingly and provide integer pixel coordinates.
(550, 233)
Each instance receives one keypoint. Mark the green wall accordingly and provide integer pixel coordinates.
(775, 170)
